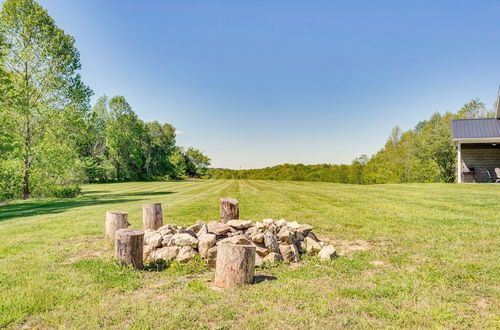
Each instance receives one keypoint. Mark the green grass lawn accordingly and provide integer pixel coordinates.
(431, 259)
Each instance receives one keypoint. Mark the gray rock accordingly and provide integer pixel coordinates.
(258, 260)
(184, 239)
(294, 225)
(205, 243)
(218, 228)
(237, 240)
(185, 254)
(212, 257)
(304, 229)
(166, 240)
(251, 231)
(311, 235)
(257, 238)
(147, 234)
(268, 222)
(239, 224)
(166, 253)
(289, 252)
(203, 230)
(154, 240)
(311, 245)
(328, 252)
(146, 251)
(234, 232)
(261, 250)
(259, 225)
(281, 223)
(272, 257)
(196, 227)
(285, 235)
(270, 242)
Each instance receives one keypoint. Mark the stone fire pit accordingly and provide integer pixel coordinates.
(274, 241)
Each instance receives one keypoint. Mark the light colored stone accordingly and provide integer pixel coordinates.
(181, 230)
(239, 224)
(311, 245)
(196, 227)
(166, 240)
(289, 252)
(146, 251)
(251, 231)
(203, 230)
(205, 243)
(212, 257)
(147, 233)
(166, 253)
(236, 240)
(304, 229)
(261, 251)
(184, 239)
(294, 225)
(154, 240)
(272, 257)
(185, 254)
(235, 232)
(281, 223)
(259, 225)
(258, 260)
(328, 252)
(311, 235)
(285, 235)
(166, 227)
(271, 242)
(257, 238)
(218, 228)
(268, 222)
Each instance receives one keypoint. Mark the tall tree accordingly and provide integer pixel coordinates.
(42, 64)
(124, 134)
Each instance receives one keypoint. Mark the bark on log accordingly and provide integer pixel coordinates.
(229, 209)
(235, 265)
(115, 220)
(129, 245)
(152, 216)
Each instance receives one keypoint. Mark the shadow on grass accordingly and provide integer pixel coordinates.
(263, 278)
(50, 206)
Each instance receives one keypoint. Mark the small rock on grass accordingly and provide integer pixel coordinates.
(328, 252)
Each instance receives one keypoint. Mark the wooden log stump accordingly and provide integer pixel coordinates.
(229, 209)
(128, 247)
(152, 216)
(235, 265)
(115, 220)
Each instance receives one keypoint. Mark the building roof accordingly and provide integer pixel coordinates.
(476, 129)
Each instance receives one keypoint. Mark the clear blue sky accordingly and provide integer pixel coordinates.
(258, 83)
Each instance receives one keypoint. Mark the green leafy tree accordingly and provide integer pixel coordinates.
(41, 85)
(124, 134)
(196, 163)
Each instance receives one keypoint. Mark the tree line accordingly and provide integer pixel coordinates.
(51, 139)
(422, 154)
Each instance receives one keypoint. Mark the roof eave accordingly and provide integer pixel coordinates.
(477, 140)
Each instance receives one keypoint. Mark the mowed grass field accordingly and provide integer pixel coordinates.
(416, 255)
